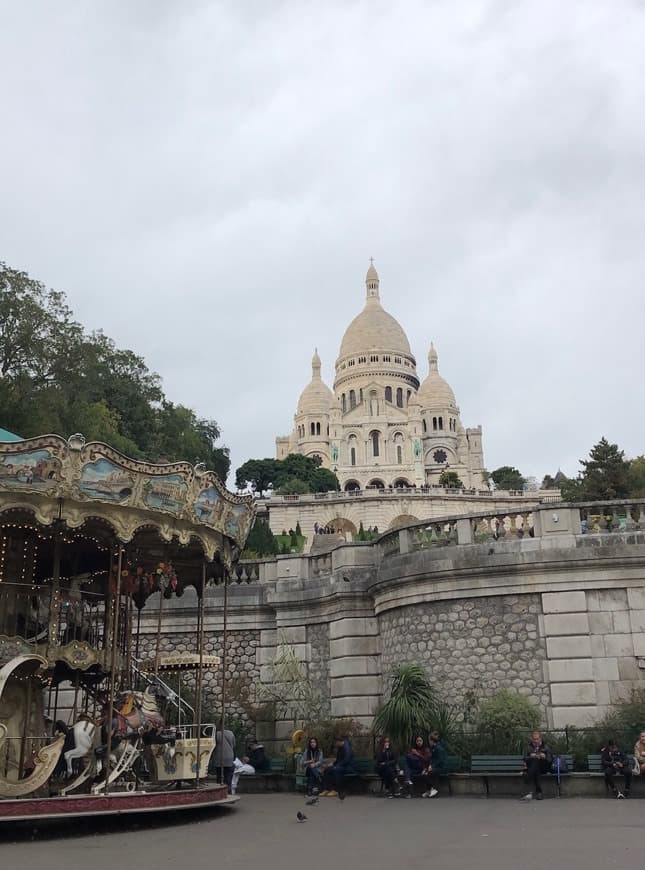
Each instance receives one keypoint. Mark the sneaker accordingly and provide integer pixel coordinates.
(433, 792)
(407, 796)
(324, 793)
(331, 794)
(389, 795)
(527, 797)
(620, 796)
(341, 796)
(426, 794)
(408, 782)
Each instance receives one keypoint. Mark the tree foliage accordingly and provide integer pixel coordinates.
(55, 377)
(410, 708)
(507, 477)
(450, 479)
(604, 475)
(295, 474)
(261, 541)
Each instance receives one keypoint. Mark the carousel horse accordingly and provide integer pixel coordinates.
(139, 716)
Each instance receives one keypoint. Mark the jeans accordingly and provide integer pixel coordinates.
(313, 777)
(535, 769)
(611, 772)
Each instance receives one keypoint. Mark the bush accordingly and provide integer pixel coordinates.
(327, 731)
(504, 721)
(410, 707)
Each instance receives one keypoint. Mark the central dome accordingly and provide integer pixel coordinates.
(374, 328)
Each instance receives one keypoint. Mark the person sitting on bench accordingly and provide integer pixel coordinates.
(615, 763)
(312, 763)
(387, 767)
(537, 761)
(335, 774)
(437, 766)
(416, 761)
(255, 762)
(639, 751)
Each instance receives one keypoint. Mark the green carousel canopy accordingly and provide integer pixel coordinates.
(8, 436)
(75, 481)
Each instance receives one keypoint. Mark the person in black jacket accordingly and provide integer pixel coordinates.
(312, 763)
(537, 761)
(387, 767)
(615, 763)
(335, 774)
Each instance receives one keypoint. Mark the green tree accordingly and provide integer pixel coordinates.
(636, 477)
(507, 477)
(260, 474)
(410, 707)
(450, 479)
(261, 541)
(605, 475)
(293, 486)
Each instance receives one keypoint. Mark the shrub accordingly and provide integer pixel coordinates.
(504, 721)
(327, 731)
(410, 707)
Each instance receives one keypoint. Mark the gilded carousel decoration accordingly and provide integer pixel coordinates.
(87, 537)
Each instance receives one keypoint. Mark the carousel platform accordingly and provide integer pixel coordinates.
(117, 803)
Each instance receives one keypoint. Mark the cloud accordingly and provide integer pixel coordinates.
(207, 181)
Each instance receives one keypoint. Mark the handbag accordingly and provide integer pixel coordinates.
(636, 768)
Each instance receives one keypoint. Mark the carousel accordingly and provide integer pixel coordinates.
(90, 723)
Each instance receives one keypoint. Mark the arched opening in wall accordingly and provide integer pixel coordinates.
(317, 428)
(388, 394)
(402, 483)
(425, 425)
(343, 526)
(403, 520)
(440, 422)
(352, 486)
(434, 424)
(343, 403)
(375, 438)
(312, 428)
(352, 456)
(399, 455)
(399, 397)
(408, 397)
(373, 404)
(352, 399)
(376, 484)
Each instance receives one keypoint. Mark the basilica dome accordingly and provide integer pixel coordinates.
(435, 392)
(374, 329)
(316, 397)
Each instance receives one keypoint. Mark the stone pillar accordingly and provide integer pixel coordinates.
(355, 668)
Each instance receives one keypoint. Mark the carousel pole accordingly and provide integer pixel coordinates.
(54, 600)
(115, 643)
(224, 642)
(200, 680)
(158, 648)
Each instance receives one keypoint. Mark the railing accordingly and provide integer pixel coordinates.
(612, 516)
(413, 492)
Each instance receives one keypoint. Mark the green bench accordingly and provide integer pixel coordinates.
(270, 776)
(594, 764)
(499, 766)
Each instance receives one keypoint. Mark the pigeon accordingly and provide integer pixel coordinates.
(312, 802)
(301, 816)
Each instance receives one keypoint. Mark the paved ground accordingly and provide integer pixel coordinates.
(363, 832)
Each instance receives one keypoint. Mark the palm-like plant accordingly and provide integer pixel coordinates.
(410, 707)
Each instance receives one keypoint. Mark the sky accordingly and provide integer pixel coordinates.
(208, 180)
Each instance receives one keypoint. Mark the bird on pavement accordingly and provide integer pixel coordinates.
(312, 802)
(301, 816)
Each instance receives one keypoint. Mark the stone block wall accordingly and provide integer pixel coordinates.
(471, 646)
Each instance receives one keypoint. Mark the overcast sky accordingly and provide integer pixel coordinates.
(207, 182)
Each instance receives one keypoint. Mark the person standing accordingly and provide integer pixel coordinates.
(223, 757)
(639, 751)
(615, 763)
(537, 760)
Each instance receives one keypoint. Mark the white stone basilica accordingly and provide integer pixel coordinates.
(380, 427)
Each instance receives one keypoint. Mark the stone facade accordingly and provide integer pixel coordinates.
(471, 647)
(538, 604)
(381, 427)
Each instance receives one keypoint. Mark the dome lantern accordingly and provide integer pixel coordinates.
(372, 282)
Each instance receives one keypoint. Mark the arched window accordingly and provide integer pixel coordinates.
(399, 454)
(375, 438)
(352, 399)
(388, 394)
(352, 456)
(441, 422)
(360, 395)
(408, 398)
(434, 423)
(343, 403)
(399, 397)
(425, 425)
(313, 428)
(317, 428)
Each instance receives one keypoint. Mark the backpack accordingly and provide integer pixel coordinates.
(560, 766)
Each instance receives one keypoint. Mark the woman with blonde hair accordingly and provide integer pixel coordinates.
(639, 751)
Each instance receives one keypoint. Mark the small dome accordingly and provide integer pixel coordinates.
(374, 328)
(316, 398)
(435, 392)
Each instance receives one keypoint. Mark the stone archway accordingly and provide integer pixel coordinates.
(403, 520)
(352, 486)
(402, 483)
(343, 526)
(376, 483)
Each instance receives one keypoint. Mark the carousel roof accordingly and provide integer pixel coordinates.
(75, 481)
(8, 436)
